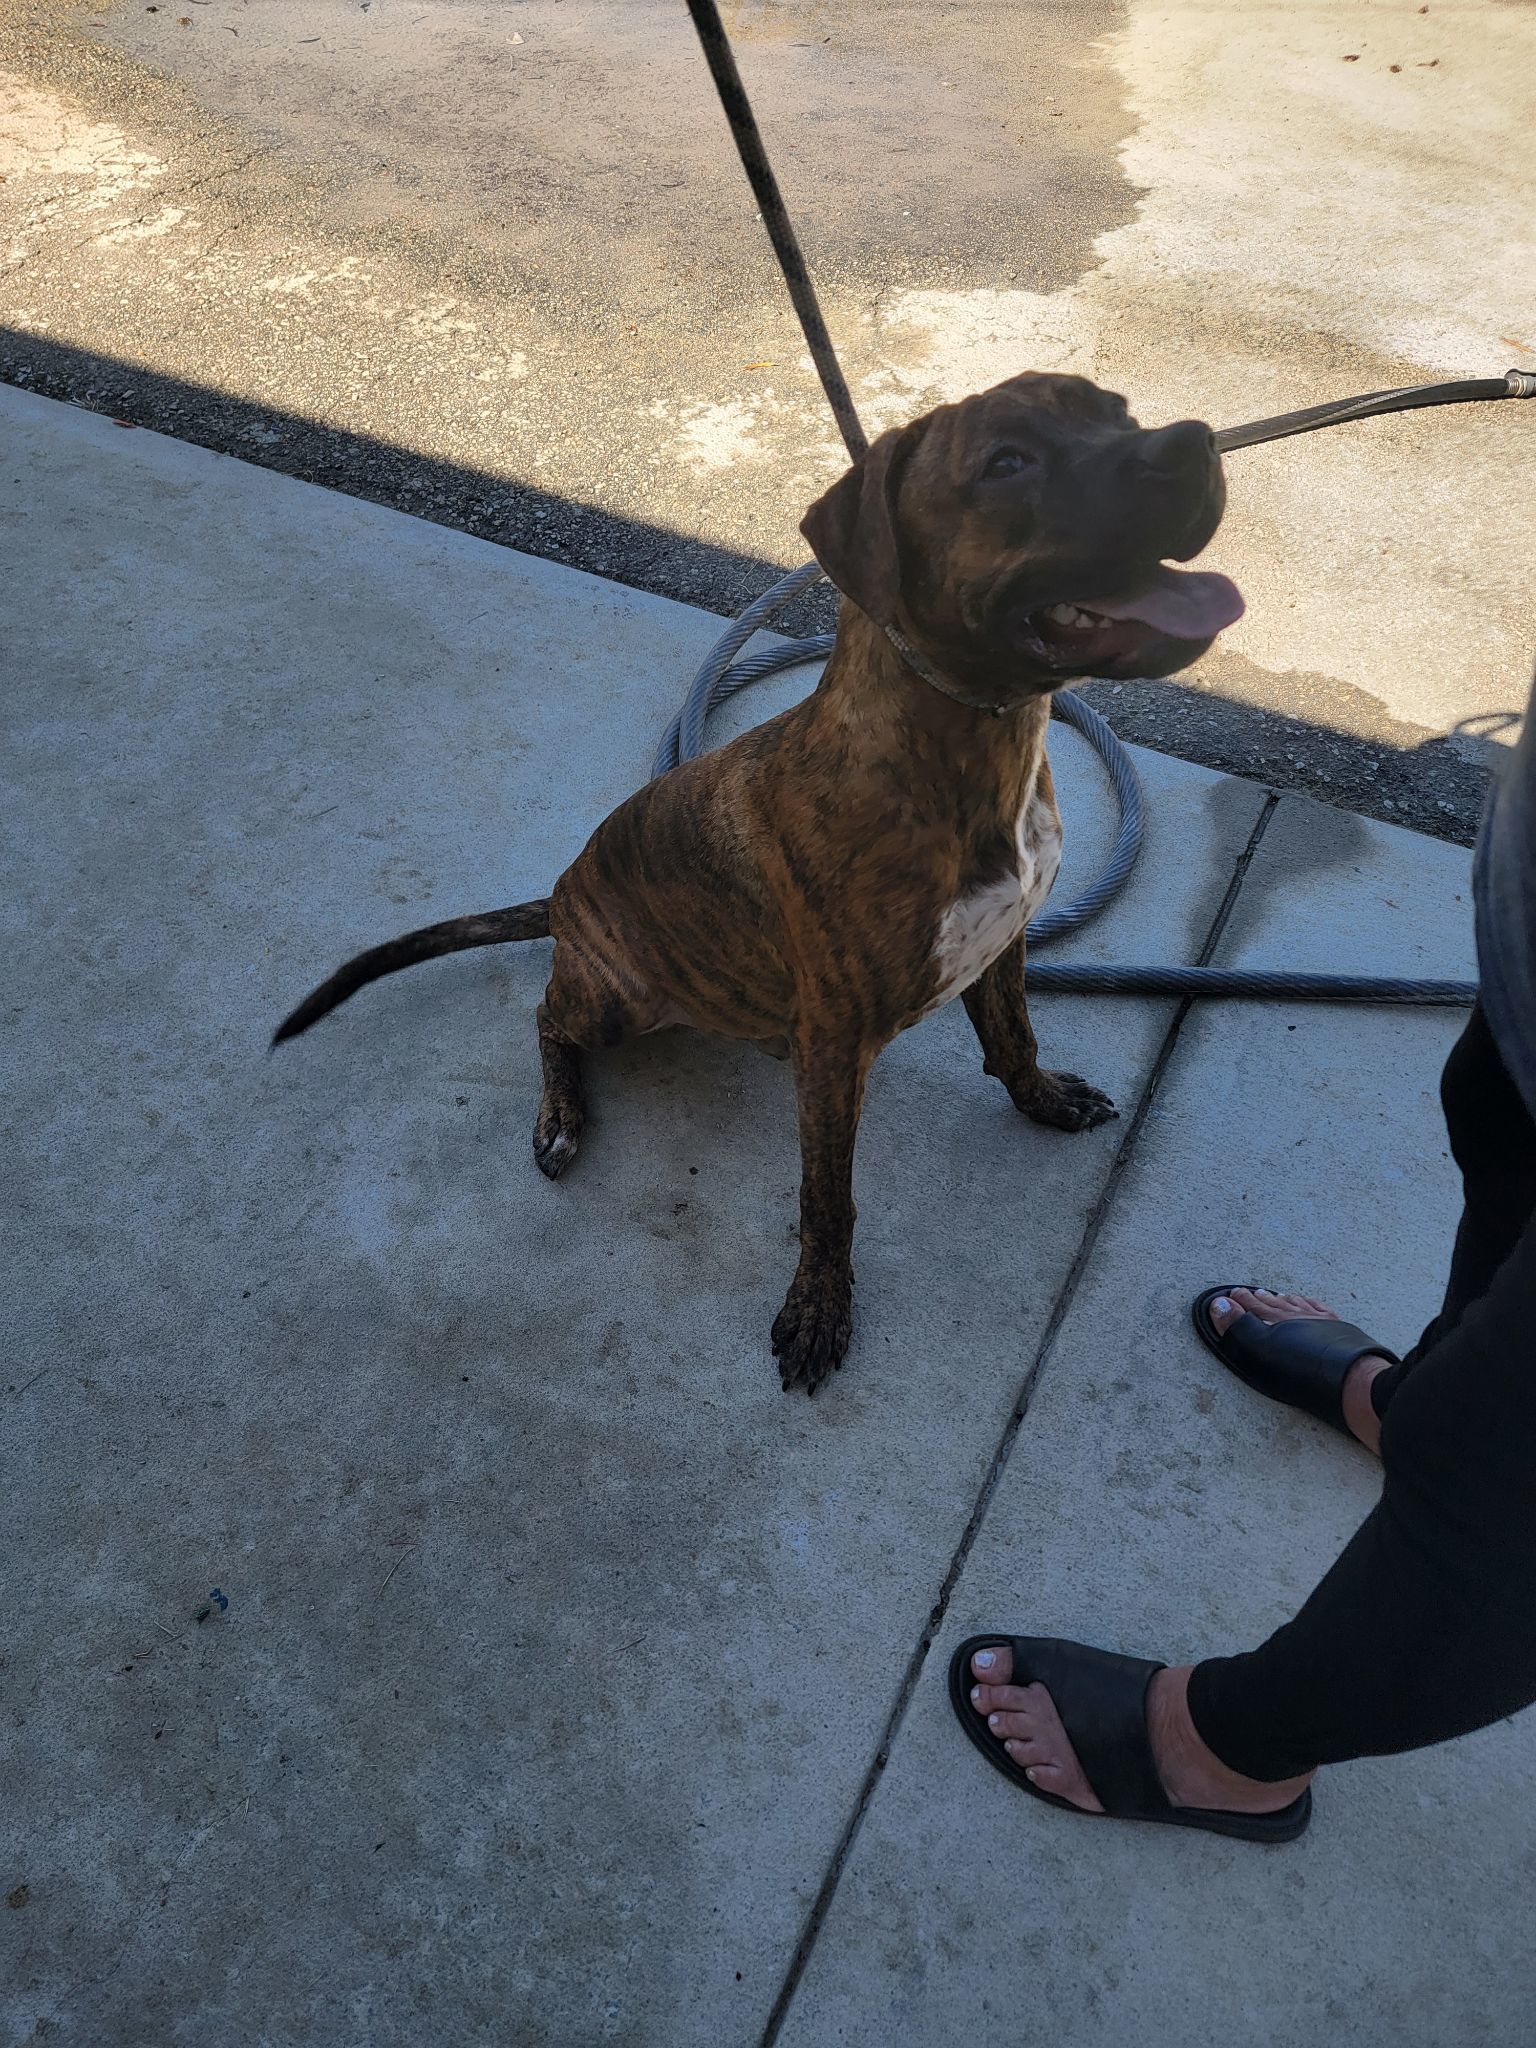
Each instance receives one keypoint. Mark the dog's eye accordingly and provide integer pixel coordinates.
(1009, 462)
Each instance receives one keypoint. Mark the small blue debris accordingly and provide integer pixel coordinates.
(221, 1598)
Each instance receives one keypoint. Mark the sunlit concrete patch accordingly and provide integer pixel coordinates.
(1369, 137)
(942, 345)
(42, 137)
(64, 173)
(64, 169)
(720, 436)
(711, 440)
(300, 284)
(1309, 226)
(160, 222)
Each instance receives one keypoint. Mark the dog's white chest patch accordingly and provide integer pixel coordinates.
(976, 929)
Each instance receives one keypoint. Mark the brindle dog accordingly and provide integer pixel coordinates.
(837, 873)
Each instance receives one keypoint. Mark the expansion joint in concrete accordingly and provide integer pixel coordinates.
(1000, 1456)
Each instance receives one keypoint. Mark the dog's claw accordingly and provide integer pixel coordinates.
(811, 1331)
(554, 1148)
(1066, 1102)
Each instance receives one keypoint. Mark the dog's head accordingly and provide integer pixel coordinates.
(1025, 533)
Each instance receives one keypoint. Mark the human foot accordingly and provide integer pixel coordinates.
(1024, 1721)
(1269, 1307)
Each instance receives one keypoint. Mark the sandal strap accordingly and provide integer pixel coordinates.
(1102, 1700)
(1304, 1360)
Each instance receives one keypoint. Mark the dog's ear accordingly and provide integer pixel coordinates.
(852, 527)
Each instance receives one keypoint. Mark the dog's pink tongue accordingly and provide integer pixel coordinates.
(1186, 604)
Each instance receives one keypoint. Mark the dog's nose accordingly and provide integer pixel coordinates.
(1181, 453)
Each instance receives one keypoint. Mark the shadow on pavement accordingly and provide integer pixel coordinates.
(1397, 774)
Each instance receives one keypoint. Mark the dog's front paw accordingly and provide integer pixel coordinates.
(1066, 1102)
(811, 1330)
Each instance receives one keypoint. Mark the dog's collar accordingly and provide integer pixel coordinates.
(920, 665)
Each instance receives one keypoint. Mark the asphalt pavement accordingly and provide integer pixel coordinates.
(496, 265)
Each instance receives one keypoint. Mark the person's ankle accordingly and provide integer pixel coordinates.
(1359, 1411)
(1193, 1775)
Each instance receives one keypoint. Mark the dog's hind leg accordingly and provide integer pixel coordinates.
(562, 1107)
(575, 1013)
(996, 1007)
(592, 1003)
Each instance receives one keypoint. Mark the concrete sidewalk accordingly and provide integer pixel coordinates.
(574, 1684)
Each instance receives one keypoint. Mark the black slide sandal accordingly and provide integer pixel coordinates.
(1101, 1698)
(1302, 1362)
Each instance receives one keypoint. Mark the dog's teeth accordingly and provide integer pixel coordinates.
(1063, 614)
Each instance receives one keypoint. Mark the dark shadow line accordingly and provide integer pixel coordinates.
(506, 510)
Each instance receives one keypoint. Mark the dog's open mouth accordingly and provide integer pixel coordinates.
(1167, 604)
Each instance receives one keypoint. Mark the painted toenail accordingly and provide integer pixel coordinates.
(1222, 1306)
(975, 1695)
(986, 1659)
(994, 1720)
(1030, 1773)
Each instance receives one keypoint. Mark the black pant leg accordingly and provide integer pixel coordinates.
(1493, 1141)
(1425, 1627)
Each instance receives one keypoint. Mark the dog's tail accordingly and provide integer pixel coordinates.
(489, 928)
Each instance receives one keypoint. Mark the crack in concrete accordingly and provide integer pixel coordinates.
(170, 193)
(1060, 1308)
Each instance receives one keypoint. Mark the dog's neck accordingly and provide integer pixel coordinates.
(956, 692)
(875, 672)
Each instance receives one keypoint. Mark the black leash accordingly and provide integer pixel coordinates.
(1407, 398)
(786, 247)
